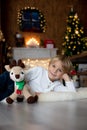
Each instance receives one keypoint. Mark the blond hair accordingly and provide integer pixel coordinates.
(66, 62)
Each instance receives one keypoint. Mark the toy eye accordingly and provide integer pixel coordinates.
(11, 73)
(22, 72)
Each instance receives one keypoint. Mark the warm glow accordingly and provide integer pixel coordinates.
(32, 42)
(36, 62)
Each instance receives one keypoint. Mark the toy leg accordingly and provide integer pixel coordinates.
(26, 92)
(30, 99)
(11, 98)
(20, 98)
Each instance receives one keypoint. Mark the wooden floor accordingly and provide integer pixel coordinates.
(64, 115)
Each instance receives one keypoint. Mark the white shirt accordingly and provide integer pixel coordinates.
(38, 81)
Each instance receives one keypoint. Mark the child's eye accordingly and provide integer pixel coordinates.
(53, 66)
(59, 70)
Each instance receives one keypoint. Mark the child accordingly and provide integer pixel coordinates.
(40, 80)
(6, 85)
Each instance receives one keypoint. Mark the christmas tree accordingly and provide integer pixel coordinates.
(74, 39)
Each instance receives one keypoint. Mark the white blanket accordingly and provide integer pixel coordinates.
(81, 93)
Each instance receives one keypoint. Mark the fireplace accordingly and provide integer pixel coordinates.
(34, 56)
(33, 53)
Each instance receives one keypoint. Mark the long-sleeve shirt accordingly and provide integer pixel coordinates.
(38, 81)
(6, 85)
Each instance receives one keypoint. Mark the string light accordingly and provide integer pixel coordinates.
(36, 62)
(33, 43)
(2, 36)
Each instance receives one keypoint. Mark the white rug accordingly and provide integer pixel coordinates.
(62, 96)
(81, 93)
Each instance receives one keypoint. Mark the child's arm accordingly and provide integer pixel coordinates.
(69, 85)
(68, 82)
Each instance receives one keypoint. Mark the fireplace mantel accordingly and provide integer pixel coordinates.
(33, 53)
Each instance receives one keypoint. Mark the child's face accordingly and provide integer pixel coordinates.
(55, 71)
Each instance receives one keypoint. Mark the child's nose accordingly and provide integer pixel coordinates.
(55, 70)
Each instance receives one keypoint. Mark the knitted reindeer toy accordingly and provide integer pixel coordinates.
(17, 74)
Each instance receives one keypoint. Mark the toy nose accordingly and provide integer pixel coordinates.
(17, 76)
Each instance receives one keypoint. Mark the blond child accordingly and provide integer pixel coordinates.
(40, 80)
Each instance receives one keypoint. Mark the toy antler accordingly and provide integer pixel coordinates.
(13, 63)
(20, 63)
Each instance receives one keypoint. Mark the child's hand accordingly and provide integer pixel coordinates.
(66, 77)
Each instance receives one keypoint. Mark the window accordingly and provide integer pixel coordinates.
(31, 19)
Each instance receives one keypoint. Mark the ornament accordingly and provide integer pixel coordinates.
(76, 32)
(69, 47)
(73, 72)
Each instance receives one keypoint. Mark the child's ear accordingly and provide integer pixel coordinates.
(7, 67)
